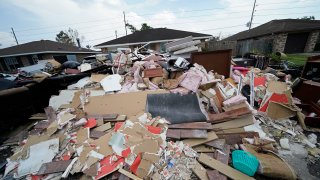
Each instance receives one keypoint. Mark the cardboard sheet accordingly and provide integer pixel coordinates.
(279, 111)
(175, 108)
(129, 104)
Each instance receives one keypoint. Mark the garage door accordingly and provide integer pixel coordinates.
(296, 43)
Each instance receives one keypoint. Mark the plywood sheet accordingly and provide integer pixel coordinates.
(128, 104)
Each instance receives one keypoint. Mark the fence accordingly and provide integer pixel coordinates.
(222, 45)
(260, 46)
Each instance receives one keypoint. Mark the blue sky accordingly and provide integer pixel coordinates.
(97, 20)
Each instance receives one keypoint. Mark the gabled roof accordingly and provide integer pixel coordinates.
(42, 46)
(152, 35)
(277, 26)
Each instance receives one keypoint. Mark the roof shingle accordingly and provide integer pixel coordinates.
(277, 26)
(41, 47)
(156, 34)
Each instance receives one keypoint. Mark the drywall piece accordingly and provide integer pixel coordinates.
(284, 143)
(200, 171)
(54, 167)
(195, 142)
(192, 125)
(85, 67)
(107, 166)
(147, 145)
(40, 153)
(129, 104)
(80, 84)
(82, 135)
(103, 127)
(117, 142)
(223, 168)
(102, 144)
(111, 83)
(277, 87)
(97, 93)
(175, 108)
(279, 111)
(97, 77)
(236, 123)
(63, 119)
(65, 97)
(128, 174)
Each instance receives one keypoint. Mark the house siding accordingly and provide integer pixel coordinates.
(312, 40)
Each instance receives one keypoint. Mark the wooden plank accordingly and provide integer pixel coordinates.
(204, 149)
(53, 167)
(173, 133)
(223, 155)
(130, 175)
(103, 127)
(194, 142)
(229, 115)
(200, 171)
(194, 133)
(217, 143)
(236, 138)
(215, 175)
(223, 168)
(194, 125)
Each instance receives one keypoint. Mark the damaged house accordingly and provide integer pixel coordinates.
(284, 35)
(156, 38)
(27, 54)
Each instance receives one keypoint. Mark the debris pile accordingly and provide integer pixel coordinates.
(160, 116)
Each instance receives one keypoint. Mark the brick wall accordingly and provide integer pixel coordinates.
(279, 42)
(312, 40)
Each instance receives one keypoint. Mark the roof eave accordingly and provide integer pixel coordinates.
(156, 41)
(57, 52)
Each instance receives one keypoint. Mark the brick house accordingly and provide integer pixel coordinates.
(156, 38)
(27, 54)
(284, 35)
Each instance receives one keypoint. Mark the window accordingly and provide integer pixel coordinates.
(11, 62)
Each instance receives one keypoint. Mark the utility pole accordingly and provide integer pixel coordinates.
(254, 6)
(116, 33)
(14, 36)
(125, 22)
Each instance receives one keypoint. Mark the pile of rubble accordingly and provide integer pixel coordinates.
(160, 116)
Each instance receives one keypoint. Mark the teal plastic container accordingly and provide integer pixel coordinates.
(245, 162)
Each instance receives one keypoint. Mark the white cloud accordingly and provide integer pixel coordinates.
(97, 20)
(6, 40)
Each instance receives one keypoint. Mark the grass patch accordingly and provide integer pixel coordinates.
(299, 60)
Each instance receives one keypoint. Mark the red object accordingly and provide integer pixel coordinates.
(107, 166)
(135, 164)
(125, 153)
(259, 81)
(154, 130)
(36, 177)
(91, 123)
(280, 98)
(66, 157)
(117, 126)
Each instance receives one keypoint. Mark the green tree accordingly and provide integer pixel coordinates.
(69, 37)
(144, 26)
(308, 17)
(131, 27)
